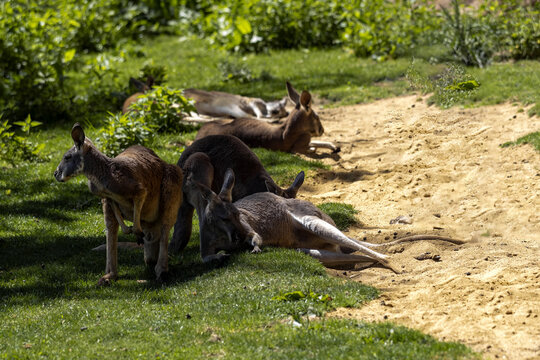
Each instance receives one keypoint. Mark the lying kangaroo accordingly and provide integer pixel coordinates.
(267, 219)
(294, 135)
(142, 87)
(206, 160)
(136, 185)
(221, 104)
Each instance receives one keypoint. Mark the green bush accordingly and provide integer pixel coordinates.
(383, 29)
(163, 109)
(15, 146)
(120, 131)
(269, 24)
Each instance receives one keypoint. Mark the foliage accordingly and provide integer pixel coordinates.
(254, 26)
(233, 71)
(532, 139)
(163, 109)
(18, 147)
(503, 29)
(383, 29)
(120, 131)
(451, 86)
(342, 214)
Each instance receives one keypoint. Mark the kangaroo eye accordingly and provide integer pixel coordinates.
(67, 156)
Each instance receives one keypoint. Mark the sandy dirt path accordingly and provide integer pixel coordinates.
(446, 171)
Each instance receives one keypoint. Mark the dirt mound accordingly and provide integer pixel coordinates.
(446, 171)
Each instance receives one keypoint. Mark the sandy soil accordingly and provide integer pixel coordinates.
(446, 170)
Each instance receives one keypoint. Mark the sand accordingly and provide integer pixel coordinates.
(446, 171)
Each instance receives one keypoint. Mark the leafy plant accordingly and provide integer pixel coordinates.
(163, 109)
(232, 71)
(453, 85)
(14, 148)
(532, 139)
(120, 131)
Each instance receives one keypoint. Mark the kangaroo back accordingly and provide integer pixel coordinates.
(142, 89)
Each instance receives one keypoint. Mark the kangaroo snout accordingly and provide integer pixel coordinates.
(58, 176)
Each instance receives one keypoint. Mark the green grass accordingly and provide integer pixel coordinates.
(50, 305)
(532, 139)
(342, 214)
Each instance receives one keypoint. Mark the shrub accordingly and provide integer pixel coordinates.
(383, 29)
(15, 148)
(120, 131)
(163, 109)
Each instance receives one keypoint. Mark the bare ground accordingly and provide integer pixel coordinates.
(446, 170)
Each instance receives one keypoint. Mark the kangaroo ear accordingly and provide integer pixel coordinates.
(305, 99)
(293, 189)
(205, 191)
(272, 188)
(77, 134)
(228, 183)
(149, 82)
(139, 85)
(293, 94)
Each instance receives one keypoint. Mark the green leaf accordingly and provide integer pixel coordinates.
(68, 55)
(243, 25)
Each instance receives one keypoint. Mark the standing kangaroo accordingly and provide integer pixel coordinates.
(267, 219)
(136, 185)
(206, 161)
(294, 135)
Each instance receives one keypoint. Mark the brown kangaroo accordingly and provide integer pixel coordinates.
(267, 219)
(294, 135)
(142, 87)
(207, 160)
(136, 185)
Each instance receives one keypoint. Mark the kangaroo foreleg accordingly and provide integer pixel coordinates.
(331, 258)
(324, 144)
(125, 229)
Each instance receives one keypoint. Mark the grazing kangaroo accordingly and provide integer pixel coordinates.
(294, 135)
(207, 160)
(221, 104)
(267, 219)
(139, 85)
(136, 185)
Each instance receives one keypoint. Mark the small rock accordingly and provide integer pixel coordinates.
(468, 273)
(402, 219)
(84, 328)
(188, 316)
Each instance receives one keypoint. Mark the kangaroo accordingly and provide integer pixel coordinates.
(294, 135)
(207, 160)
(139, 85)
(221, 104)
(270, 220)
(136, 185)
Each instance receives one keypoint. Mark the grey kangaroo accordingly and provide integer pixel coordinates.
(221, 104)
(293, 135)
(267, 219)
(136, 185)
(207, 160)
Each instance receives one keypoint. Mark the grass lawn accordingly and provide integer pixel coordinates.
(50, 306)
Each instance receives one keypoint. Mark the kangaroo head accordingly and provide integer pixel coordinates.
(219, 221)
(140, 86)
(291, 191)
(72, 163)
(276, 109)
(303, 117)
